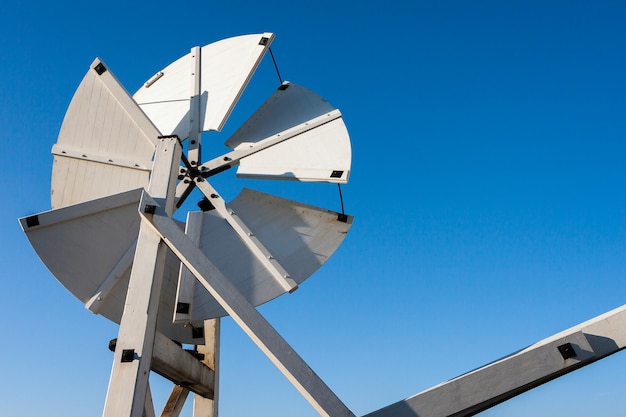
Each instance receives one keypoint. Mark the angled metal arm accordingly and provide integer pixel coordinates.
(222, 163)
(245, 234)
(325, 402)
(485, 387)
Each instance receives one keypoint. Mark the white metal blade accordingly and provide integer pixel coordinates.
(319, 154)
(105, 144)
(88, 263)
(300, 237)
(226, 67)
(252, 242)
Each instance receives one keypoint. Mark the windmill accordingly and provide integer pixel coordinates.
(119, 174)
(124, 164)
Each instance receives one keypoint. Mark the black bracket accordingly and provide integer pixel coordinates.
(100, 68)
(32, 221)
(182, 308)
(197, 332)
(128, 355)
(567, 351)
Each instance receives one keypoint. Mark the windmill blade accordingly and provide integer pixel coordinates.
(95, 266)
(105, 144)
(299, 236)
(321, 153)
(224, 69)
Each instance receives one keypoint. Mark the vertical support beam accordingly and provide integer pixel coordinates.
(148, 410)
(205, 407)
(195, 107)
(186, 281)
(202, 407)
(128, 385)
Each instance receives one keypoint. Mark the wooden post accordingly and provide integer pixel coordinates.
(126, 395)
(204, 407)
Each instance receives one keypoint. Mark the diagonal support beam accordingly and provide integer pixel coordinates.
(175, 402)
(319, 395)
(247, 236)
(485, 387)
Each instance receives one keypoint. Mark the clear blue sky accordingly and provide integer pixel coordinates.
(488, 186)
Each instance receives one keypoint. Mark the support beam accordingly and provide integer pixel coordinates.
(195, 107)
(314, 390)
(175, 402)
(186, 281)
(247, 237)
(128, 385)
(172, 362)
(476, 391)
(232, 158)
(148, 410)
(69, 152)
(206, 407)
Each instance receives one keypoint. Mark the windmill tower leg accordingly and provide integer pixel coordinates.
(148, 410)
(128, 385)
(204, 407)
